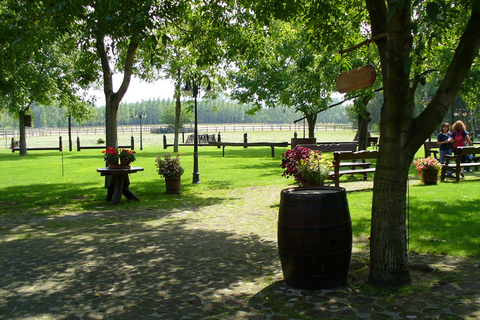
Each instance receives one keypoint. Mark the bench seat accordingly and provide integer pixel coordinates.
(356, 164)
(454, 164)
(353, 171)
(431, 148)
(331, 146)
(352, 160)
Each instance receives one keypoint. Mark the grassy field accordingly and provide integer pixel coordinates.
(443, 219)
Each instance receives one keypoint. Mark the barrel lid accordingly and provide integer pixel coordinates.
(313, 190)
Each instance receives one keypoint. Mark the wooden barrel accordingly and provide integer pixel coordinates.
(315, 237)
(429, 177)
(173, 184)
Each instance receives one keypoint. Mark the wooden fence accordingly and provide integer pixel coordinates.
(213, 128)
(15, 146)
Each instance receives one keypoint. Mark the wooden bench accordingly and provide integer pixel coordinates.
(455, 164)
(355, 162)
(331, 146)
(373, 142)
(431, 148)
(272, 145)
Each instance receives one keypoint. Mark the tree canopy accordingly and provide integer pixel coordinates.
(35, 68)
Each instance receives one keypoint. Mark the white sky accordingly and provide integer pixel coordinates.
(139, 90)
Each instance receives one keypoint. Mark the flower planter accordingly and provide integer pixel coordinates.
(308, 184)
(430, 177)
(173, 184)
(112, 164)
(315, 237)
(125, 162)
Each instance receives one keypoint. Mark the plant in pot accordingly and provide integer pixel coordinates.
(126, 157)
(428, 169)
(111, 156)
(308, 167)
(171, 169)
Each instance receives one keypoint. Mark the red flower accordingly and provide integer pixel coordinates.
(110, 150)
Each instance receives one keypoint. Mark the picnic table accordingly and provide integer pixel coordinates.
(119, 183)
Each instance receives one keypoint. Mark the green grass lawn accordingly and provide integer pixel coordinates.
(443, 219)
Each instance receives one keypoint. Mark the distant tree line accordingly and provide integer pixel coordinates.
(157, 111)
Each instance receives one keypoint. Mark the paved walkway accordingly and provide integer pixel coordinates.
(214, 262)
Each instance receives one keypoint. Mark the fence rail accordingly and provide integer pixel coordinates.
(76, 131)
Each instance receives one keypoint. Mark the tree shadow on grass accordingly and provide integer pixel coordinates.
(66, 268)
(52, 198)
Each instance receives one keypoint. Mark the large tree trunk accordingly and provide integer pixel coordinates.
(362, 131)
(402, 134)
(113, 99)
(311, 120)
(388, 243)
(111, 111)
(23, 136)
(178, 110)
(363, 121)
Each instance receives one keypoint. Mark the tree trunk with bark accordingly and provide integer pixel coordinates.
(23, 136)
(178, 110)
(311, 120)
(363, 121)
(402, 134)
(362, 132)
(113, 99)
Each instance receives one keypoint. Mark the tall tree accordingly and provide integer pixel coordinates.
(408, 35)
(111, 34)
(34, 68)
(401, 132)
(283, 69)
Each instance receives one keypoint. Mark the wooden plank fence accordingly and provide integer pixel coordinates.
(16, 146)
(210, 128)
(131, 146)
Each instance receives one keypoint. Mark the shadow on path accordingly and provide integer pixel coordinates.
(129, 270)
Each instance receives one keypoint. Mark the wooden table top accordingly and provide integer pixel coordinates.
(119, 170)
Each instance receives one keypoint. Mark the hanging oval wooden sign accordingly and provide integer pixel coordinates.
(355, 79)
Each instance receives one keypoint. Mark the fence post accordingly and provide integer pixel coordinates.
(245, 139)
(13, 144)
(164, 141)
(78, 143)
(219, 139)
(60, 145)
(132, 142)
